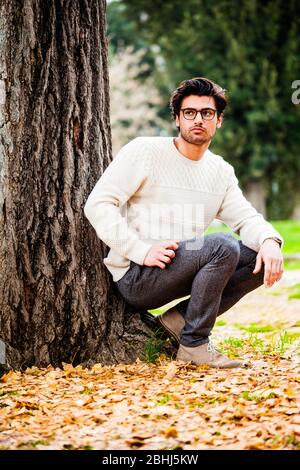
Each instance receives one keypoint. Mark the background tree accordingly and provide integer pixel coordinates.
(134, 106)
(57, 301)
(252, 49)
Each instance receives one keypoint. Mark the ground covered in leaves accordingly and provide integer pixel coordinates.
(168, 404)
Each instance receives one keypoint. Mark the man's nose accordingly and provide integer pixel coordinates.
(198, 118)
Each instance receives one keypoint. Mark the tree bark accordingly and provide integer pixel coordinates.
(257, 195)
(296, 211)
(57, 300)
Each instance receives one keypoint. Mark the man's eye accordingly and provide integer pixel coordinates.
(208, 113)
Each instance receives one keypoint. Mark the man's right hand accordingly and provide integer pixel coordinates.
(161, 254)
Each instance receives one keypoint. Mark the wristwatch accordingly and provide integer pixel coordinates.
(275, 239)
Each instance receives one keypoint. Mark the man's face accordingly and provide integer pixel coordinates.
(198, 131)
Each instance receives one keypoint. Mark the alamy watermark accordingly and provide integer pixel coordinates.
(157, 222)
(296, 94)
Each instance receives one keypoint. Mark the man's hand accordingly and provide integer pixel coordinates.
(161, 253)
(270, 254)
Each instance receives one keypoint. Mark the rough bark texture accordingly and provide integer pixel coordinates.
(57, 301)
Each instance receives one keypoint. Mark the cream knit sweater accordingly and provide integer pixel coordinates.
(151, 192)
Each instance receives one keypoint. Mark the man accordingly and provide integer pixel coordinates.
(151, 207)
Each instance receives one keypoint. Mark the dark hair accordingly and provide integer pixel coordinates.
(199, 86)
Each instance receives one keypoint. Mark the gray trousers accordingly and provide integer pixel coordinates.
(216, 275)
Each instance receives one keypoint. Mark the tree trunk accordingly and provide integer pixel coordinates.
(296, 211)
(58, 302)
(256, 194)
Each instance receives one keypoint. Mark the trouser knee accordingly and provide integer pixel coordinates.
(229, 246)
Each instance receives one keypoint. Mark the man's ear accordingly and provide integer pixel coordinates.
(177, 121)
(220, 121)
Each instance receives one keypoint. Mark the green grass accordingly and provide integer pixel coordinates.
(154, 346)
(164, 308)
(255, 328)
(295, 292)
(34, 444)
(232, 346)
(164, 398)
(278, 344)
(290, 231)
(292, 264)
(152, 350)
(256, 398)
(9, 392)
(234, 342)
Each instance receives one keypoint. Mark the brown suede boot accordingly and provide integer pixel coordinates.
(206, 354)
(173, 322)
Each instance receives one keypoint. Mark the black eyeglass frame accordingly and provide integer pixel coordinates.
(196, 111)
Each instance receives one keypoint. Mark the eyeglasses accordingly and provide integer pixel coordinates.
(206, 113)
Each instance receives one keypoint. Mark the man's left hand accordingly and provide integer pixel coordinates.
(270, 254)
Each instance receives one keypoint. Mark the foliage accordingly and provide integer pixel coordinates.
(133, 108)
(292, 292)
(253, 51)
(169, 404)
(146, 406)
(295, 293)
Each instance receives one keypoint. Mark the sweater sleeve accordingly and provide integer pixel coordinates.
(118, 183)
(238, 213)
